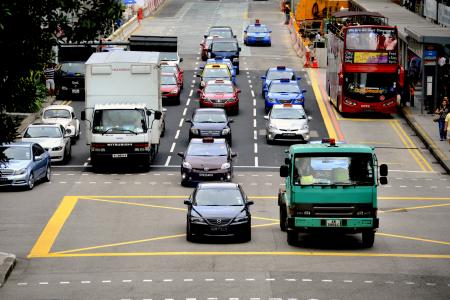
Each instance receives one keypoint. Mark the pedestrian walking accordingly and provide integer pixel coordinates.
(440, 116)
(49, 74)
(447, 127)
(287, 12)
(412, 89)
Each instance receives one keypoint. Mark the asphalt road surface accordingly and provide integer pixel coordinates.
(120, 234)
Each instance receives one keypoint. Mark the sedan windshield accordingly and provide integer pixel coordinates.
(224, 47)
(210, 117)
(43, 132)
(284, 88)
(216, 73)
(16, 153)
(57, 113)
(207, 149)
(218, 88)
(276, 75)
(278, 113)
(218, 197)
(168, 80)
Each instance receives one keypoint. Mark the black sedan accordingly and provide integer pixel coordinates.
(210, 122)
(218, 209)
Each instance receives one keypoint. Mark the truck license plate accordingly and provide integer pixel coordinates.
(333, 223)
(75, 91)
(120, 155)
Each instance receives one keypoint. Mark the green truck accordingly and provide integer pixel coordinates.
(330, 187)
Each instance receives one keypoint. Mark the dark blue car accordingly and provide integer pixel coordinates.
(26, 163)
(226, 48)
(276, 73)
(284, 91)
(257, 34)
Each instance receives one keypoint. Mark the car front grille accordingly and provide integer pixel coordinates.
(218, 221)
(211, 132)
(6, 172)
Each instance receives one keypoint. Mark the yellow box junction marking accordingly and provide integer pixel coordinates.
(51, 231)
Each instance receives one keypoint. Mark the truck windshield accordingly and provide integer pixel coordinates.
(348, 169)
(370, 87)
(71, 68)
(124, 121)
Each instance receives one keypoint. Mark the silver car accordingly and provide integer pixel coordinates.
(287, 122)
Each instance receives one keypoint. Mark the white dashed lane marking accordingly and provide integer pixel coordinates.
(181, 122)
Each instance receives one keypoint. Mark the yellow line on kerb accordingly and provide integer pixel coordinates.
(322, 108)
(415, 153)
(54, 226)
(251, 253)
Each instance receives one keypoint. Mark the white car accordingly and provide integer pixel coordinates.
(287, 122)
(64, 115)
(52, 138)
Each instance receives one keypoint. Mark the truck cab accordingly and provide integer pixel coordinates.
(330, 187)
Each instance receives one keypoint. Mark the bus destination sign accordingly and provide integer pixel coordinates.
(368, 57)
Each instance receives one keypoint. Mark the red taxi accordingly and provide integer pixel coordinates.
(170, 89)
(171, 68)
(220, 93)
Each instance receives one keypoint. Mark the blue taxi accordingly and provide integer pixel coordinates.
(257, 33)
(276, 73)
(284, 91)
(228, 62)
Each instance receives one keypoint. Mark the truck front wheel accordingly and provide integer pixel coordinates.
(368, 238)
(283, 217)
(292, 237)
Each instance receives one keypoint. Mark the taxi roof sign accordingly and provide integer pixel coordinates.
(287, 104)
(285, 80)
(281, 67)
(208, 139)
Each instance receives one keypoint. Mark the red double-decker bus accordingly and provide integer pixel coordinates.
(363, 73)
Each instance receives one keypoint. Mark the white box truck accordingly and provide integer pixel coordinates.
(123, 107)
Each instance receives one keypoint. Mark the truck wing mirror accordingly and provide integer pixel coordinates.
(287, 160)
(284, 171)
(83, 115)
(383, 180)
(187, 202)
(158, 115)
(303, 91)
(383, 170)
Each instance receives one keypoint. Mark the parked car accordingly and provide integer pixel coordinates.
(206, 159)
(64, 115)
(27, 163)
(287, 122)
(52, 138)
(210, 122)
(220, 93)
(218, 209)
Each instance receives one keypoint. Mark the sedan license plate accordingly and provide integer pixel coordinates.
(333, 223)
(3, 179)
(219, 228)
(219, 104)
(75, 91)
(205, 174)
(289, 134)
(120, 155)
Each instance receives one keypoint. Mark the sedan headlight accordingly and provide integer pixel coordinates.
(241, 218)
(272, 126)
(194, 131)
(225, 166)
(57, 148)
(174, 91)
(198, 220)
(271, 100)
(187, 165)
(225, 131)
(20, 171)
(305, 127)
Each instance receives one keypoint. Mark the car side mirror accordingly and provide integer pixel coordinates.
(238, 91)
(181, 59)
(303, 91)
(187, 202)
(83, 115)
(230, 121)
(383, 170)
(205, 36)
(148, 113)
(180, 154)
(284, 171)
(263, 77)
(188, 121)
(38, 158)
(309, 118)
(233, 154)
(250, 202)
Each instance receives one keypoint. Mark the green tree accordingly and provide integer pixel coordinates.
(28, 30)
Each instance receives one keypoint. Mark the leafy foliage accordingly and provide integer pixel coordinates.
(28, 30)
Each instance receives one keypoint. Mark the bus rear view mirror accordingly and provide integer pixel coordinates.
(383, 170)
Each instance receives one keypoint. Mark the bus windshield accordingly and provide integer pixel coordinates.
(370, 87)
(370, 38)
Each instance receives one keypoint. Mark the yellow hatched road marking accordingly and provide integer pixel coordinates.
(413, 238)
(54, 226)
(132, 203)
(413, 207)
